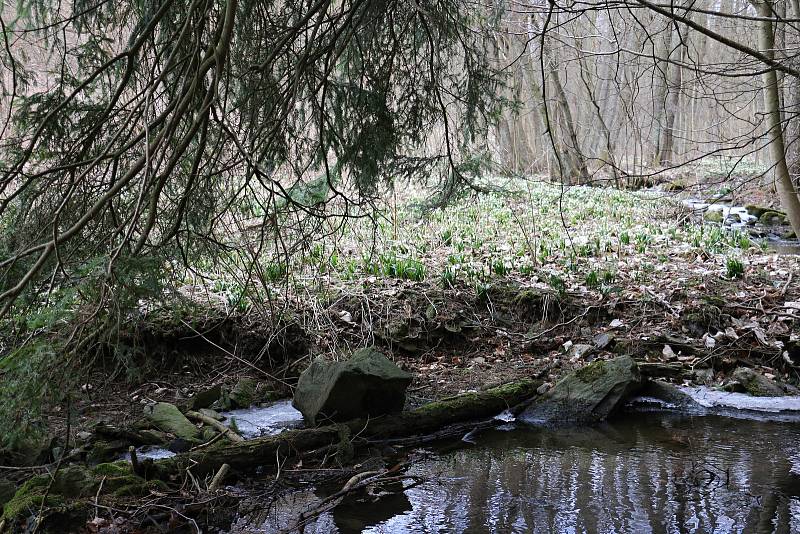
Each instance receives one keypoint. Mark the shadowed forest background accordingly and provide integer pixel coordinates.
(193, 192)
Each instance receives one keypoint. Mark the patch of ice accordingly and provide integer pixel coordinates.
(651, 403)
(506, 416)
(695, 204)
(148, 451)
(264, 421)
(711, 398)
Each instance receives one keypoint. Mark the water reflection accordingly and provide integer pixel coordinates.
(648, 473)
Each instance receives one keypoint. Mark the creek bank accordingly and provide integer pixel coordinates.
(588, 395)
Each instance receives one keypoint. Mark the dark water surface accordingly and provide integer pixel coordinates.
(648, 472)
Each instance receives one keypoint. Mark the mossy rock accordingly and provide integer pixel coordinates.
(756, 211)
(714, 216)
(772, 218)
(28, 498)
(209, 434)
(73, 483)
(243, 394)
(674, 186)
(7, 491)
(587, 395)
(756, 384)
(168, 418)
(140, 488)
(368, 384)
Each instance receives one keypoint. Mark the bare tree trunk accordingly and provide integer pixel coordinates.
(674, 85)
(772, 108)
(791, 102)
(661, 95)
(608, 153)
(573, 160)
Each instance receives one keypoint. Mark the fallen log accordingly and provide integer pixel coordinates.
(268, 450)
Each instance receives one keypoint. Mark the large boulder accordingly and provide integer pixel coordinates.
(368, 384)
(587, 395)
(168, 418)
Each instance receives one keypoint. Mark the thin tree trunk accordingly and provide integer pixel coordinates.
(674, 88)
(785, 186)
(575, 165)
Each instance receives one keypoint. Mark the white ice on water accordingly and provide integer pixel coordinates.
(264, 421)
(711, 398)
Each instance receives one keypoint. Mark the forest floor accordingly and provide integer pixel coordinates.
(530, 282)
(533, 281)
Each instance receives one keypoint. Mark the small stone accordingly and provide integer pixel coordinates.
(580, 351)
(601, 341)
(541, 390)
(84, 435)
(480, 360)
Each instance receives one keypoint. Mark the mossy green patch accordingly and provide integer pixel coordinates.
(29, 497)
(73, 483)
(591, 372)
(755, 211)
(114, 469)
(772, 218)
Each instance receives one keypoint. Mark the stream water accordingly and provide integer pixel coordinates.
(737, 218)
(645, 472)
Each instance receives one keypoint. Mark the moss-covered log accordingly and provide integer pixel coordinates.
(425, 419)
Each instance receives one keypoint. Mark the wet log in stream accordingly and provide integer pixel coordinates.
(429, 420)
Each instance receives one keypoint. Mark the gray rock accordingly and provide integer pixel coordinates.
(601, 341)
(703, 376)
(367, 384)
(587, 395)
(757, 384)
(167, 418)
(205, 398)
(581, 350)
